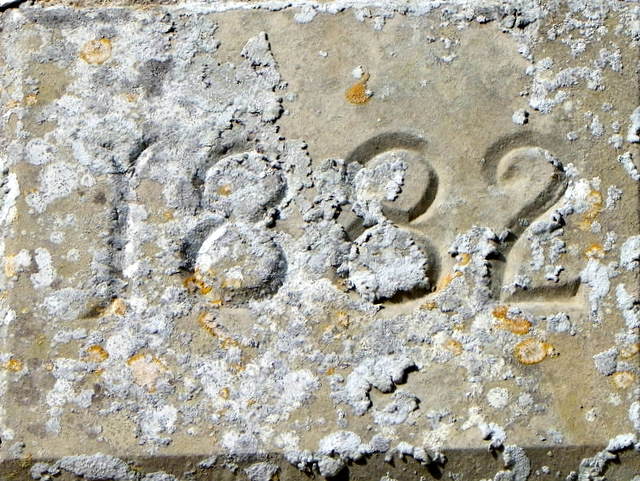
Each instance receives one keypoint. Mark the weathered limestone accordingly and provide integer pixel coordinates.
(259, 240)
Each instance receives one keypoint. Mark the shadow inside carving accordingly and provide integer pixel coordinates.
(421, 180)
(428, 195)
(193, 241)
(561, 291)
(383, 142)
(496, 151)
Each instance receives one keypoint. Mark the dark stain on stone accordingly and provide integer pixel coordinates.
(100, 198)
(152, 75)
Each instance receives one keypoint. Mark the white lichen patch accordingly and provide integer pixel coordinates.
(384, 261)
(46, 271)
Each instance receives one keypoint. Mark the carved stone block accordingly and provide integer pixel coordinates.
(265, 240)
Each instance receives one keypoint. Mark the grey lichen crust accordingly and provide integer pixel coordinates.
(177, 271)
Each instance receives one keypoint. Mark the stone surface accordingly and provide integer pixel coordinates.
(259, 240)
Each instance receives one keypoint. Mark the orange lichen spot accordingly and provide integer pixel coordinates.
(532, 351)
(217, 302)
(146, 370)
(224, 190)
(630, 350)
(517, 325)
(195, 283)
(453, 346)
(357, 94)
(429, 305)
(331, 371)
(13, 365)
(597, 204)
(224, 393)
(594, 250)
(96, 353)
(465, 258)
(446, 280)
(623, 379)
(206, 321)
(500, 312)
(96, 52)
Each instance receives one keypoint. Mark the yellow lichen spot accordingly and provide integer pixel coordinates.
(117, 307)
(217, 302)
(342, 284)
(228, 342)
(168, 215)
(9, 266)
(14, 365)
(465, 258)
(237, 367)
(232, 283)
(630, 350)
(205, 320)
(49, 366)
(146, 370)
(594, 250)
(357, 94)
(623, 379)
(30, 99)
(453, 346)
(131, 97)
(342, 320)
(517, 325)
(96, 353)
(532, 351)
(224, 393)
(224, 190)
(429, 305)
(597, 204)
(26, 461)
(331, 371)
(96, 52)
(251, 402)
(446, 280)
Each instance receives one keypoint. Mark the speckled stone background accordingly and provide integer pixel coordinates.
(278, 240)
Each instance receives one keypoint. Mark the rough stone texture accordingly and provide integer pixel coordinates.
(268, 239)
